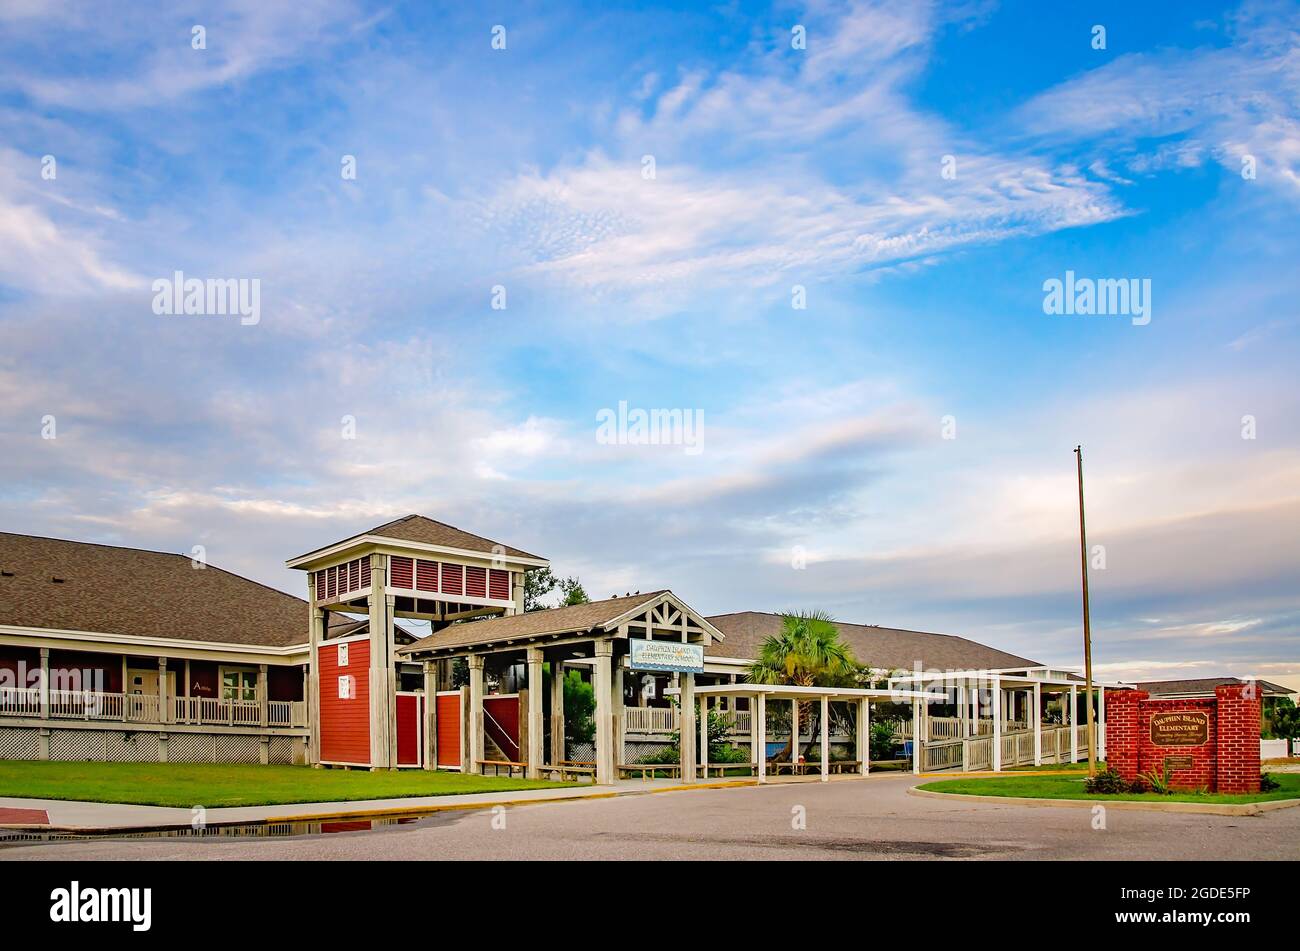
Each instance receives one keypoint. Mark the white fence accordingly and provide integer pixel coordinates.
(1273, 749)
(650, 719)
(145, 708)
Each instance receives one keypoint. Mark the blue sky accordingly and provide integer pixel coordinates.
(774, 167)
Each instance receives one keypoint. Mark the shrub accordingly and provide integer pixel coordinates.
(1108, 782)
(1157, 781)
(667, 754)
(727, 753)
(1267, 783)
(881, 741)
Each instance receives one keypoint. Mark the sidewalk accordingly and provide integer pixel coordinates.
(73, 816)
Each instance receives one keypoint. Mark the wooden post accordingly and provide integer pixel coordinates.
(826, 739)
(704, 735)
(864, 735)
(557, 712)
(916, 736)
(536, 691)
(616, 711)
(45, 684)
(475, 745)
(430, 714)
(794, 733)
(760, 726)
(602, 675)
(687, 726)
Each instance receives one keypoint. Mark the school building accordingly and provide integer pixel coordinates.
(412, 649)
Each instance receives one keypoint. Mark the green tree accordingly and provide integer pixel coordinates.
(540, 582)
(808, 652)
(579, 710)
(1284, 719)
(573, 592)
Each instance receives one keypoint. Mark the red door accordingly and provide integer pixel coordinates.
(410, 733)
(449, 729)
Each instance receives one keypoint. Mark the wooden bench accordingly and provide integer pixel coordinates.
(647, 771)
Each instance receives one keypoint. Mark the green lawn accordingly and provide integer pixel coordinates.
(1033, 786)
(204, 784)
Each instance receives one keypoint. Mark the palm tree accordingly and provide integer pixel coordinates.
(807, 653)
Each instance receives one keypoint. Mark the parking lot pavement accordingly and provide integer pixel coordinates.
(871, 819)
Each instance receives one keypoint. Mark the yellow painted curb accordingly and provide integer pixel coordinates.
(1208, 809)
(989, 774)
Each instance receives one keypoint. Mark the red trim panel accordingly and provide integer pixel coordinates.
(401, 572)
(345, 722)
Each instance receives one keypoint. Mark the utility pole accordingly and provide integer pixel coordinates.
(1087, 626)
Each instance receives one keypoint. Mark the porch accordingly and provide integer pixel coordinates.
(148, 709)
(40, 684)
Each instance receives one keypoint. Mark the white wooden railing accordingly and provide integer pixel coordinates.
(145, 708)
(20, 702)
(212, 711)
(650, 719)
(976, 752)
(949, 728)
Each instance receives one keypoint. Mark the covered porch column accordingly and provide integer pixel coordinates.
(474, 748)
(916, 736)
(536, 692)
(997, 724)
(687, 727)
(1073, 723)
(864, 736)
(430, 669)
(1036, 714)
(826, 738)
(794, 732)
(759, 727)
(602, 676)
(704, 735)
(557, 711)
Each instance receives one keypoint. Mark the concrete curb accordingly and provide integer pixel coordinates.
(1207, 809)
(460, 806)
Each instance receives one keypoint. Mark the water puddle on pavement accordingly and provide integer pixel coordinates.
(253, 830)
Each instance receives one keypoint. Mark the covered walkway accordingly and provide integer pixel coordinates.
(858, 700)
(1000, 718)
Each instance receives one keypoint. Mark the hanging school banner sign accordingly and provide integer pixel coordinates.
(667, 655)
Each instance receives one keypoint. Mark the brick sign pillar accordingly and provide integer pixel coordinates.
(1237, 728)
(1200, 743)
(1123, 740)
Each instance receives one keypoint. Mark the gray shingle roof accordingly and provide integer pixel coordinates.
(427, 531)
(133, 592)
(883, 648)
(1205, 685)
(576, 617)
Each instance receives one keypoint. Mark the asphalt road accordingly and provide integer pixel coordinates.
(874, 819)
